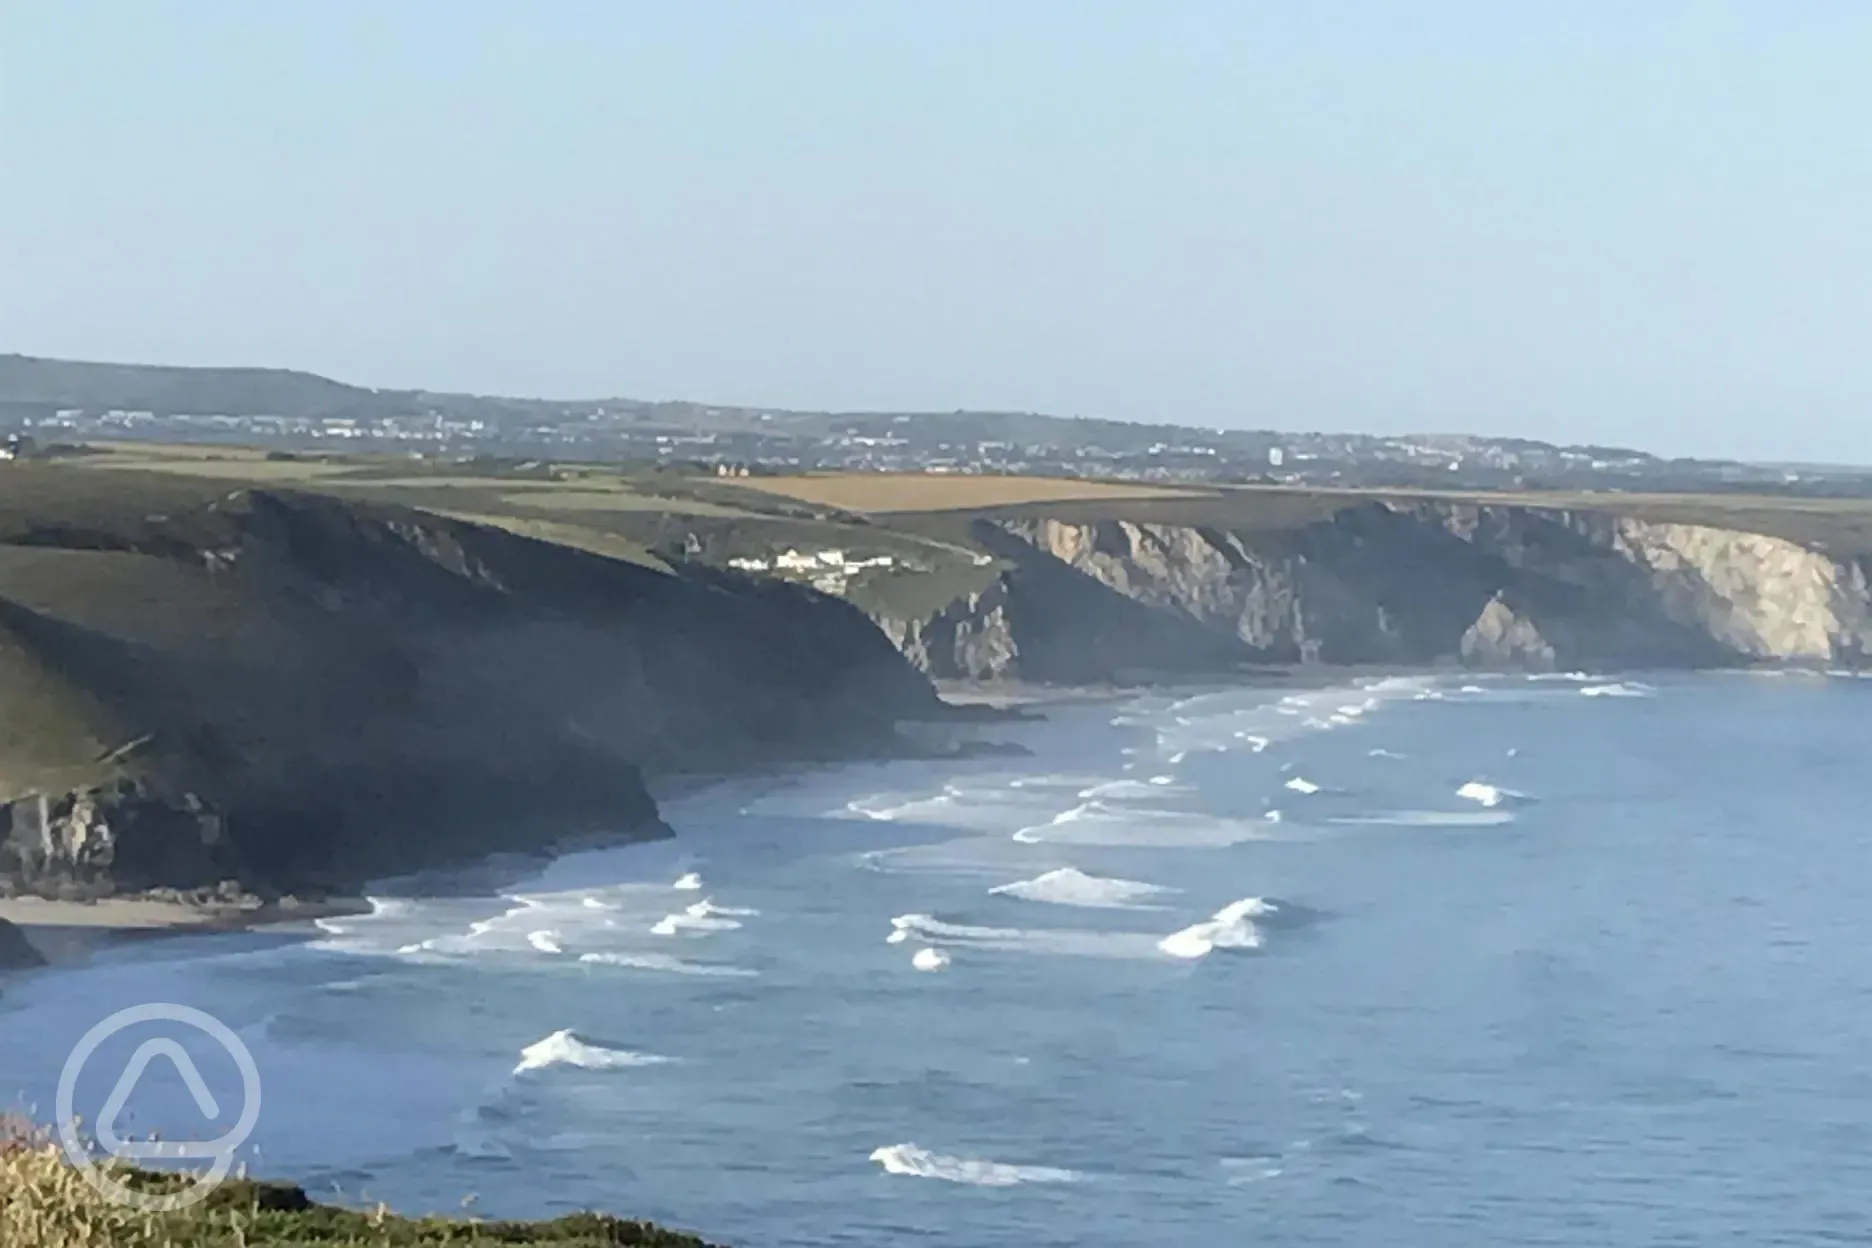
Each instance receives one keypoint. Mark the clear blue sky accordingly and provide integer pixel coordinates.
(1643, 223)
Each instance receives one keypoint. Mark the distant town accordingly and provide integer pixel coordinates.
(46, 403)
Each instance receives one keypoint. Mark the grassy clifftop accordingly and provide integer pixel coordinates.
(45, 1203)
(205, 679)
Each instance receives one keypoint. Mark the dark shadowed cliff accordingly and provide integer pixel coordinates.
(298, 693)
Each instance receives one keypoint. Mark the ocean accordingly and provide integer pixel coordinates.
(1420, 960)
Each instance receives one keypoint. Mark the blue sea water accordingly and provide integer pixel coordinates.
(1415, 961)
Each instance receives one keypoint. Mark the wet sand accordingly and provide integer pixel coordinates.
(69, 932)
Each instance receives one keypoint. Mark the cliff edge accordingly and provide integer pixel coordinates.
(293, 694)
(1417, 581)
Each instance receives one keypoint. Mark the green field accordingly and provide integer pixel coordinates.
(921, 520)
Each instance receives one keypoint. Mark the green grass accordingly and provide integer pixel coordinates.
(907, 595)
(46, 1203)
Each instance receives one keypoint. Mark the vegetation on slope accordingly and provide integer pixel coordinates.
(157, 388)
(284, 671)
(46, 1203)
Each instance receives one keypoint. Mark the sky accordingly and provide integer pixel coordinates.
(1638, 224)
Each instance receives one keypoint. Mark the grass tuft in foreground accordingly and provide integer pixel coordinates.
(45, 1203)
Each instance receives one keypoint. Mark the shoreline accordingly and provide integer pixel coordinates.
(71, 933)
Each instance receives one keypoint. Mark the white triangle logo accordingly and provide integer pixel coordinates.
(130, 1150)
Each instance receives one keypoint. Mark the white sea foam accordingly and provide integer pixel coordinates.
(1619, 689)
(664, 962)
(1068, 886)
(930, 959)
(1429, 819)
(986, 804)
(690, 882)
(915, 1162)
(705, 907)
(1242, 1171)
(1489, 794)
(545, 941)
(1254, 719)
(701, 917)
(1051, 780)
(1384, 754)
(567, 1048)
(1122, 789)
(1300, 784)
(1231, 927)
(1061, 942)
(1095, 824)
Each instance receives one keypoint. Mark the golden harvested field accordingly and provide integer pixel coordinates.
(914, 491)
(230, 466)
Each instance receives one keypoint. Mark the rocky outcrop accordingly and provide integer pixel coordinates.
(289, 693)
(1400, 582)
(16, 952)
(1502, 637)
(1050, 619)
(970, 639)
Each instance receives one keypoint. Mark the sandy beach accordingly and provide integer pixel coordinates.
(69, 932)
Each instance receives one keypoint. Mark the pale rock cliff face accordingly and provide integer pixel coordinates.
(1763, 597)
(970, 639)
(1502, 638)
(1419, 583)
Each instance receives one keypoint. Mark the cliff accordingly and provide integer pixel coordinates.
(297, 693)
(1398, 581)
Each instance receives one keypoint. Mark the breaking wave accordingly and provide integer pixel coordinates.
(1095, 824)
(664, 962)
(1429, 819)
(1489, 794)
(1069, 886)
(703, 916)
(1065, 942)
(1231, 927)
(915, 1162)
(568, 1048)
(1155, 787)
(1619, 689)
(930, 959)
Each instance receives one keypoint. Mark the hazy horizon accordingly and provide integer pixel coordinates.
(1584, 226)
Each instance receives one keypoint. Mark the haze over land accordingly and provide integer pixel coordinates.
(1587, 224)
